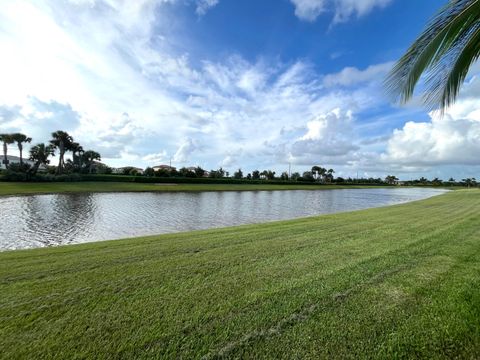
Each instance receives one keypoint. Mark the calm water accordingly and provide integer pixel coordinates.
(46, 220)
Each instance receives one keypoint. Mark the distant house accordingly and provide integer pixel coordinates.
(16, 160)
(164, 167)
(121, 170)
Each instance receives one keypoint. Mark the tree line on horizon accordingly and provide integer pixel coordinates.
(61, 142)
(88, 162)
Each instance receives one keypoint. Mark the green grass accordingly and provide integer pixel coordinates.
(28, 188)
(394, 282)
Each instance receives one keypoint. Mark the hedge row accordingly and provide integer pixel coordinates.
(146, 179)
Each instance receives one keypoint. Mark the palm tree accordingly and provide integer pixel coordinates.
(329, 175)
(321, 173)
(39, 154)
(6, 139)
(444, 52)
(89, 157)
(63, 141)
(77, 152)
(21, 139)
(391, 179)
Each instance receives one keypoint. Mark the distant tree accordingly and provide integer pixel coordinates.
(21, 139)
(268, 174)
(423, 180)
(284, 176)
(199, 171)
(308, 176)
(437, 181)
(126, 170)
(6, 139)
(329, 175)
(238, 174)
(103, 169)
(77, 153)
(319, 173)
(162, 173)
(220, 173)
(184, 172)
(295, 176)
(62, 141)
(391, 179)
(149, 172)
(249, 176)
(469, 182)
(255, 174)
(89, 158)
(39, 154)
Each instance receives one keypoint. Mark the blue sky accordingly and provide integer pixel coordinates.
(250, 84)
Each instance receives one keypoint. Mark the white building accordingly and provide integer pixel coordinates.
(121, 170)
(15, 160)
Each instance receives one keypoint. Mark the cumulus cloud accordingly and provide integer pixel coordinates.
(183, 153)
(343, 10)
(452, 139)
(442, 141)
(327, 136)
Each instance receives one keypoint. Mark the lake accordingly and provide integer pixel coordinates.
(48, 220)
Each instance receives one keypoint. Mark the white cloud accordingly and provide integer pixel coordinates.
(327, 136)
(38, 119)
(452, 139)
(204, 5)
(343, 10)
(352, 76)
(156, 158)
(309, 10)
(183, 153)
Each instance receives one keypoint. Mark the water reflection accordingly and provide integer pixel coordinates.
(46, 220)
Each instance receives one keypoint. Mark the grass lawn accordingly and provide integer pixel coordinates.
(27, 188)
(395, 282)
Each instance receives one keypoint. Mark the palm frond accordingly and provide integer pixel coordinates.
(444, 51)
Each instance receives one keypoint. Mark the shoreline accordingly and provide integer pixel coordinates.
(25, 188)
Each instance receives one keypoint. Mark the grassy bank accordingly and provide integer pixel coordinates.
(396, 282)
(28, 188)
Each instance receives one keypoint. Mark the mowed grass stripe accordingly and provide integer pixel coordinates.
(357, 284)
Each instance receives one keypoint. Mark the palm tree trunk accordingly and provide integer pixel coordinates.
(60, 161)
(20, 148)
(5, 159)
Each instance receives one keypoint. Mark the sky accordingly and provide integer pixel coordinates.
(235, 84)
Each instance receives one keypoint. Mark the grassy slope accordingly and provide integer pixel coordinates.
(25, 188)
(401, 281)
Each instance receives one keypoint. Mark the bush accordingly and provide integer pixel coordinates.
(19, 168)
